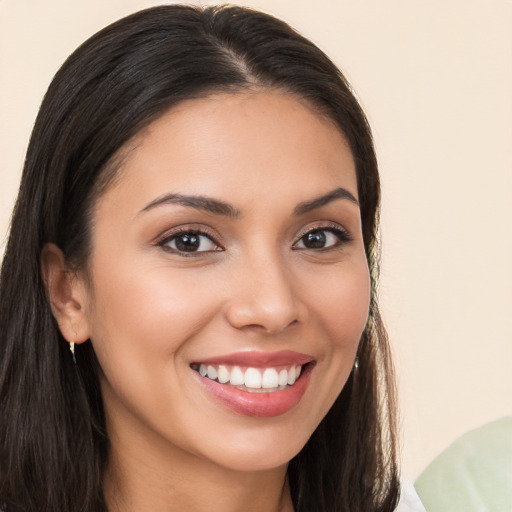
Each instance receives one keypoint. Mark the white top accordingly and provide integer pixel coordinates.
(409, 500)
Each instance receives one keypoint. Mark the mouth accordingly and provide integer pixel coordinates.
(256, 384)
(250, 379)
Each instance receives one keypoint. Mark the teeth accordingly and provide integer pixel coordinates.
(291, 376)
(269, 379)
(212, 373)
(223, 374)
(252, 378)
(237, 377)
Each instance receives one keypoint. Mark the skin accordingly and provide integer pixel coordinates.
(151, 311)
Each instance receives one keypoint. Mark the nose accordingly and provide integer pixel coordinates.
(264, 297)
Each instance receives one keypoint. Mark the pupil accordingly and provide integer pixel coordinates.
(188, 242)
(315, 240)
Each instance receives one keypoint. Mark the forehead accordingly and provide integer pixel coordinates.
(250, 142)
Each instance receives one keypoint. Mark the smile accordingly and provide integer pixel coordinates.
(251, 379)
(256, 384)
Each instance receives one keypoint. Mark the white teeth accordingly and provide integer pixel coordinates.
(252, 378)
(212, 372)
(291, 376)
(237, 377)
(269, 379)
(223, 374)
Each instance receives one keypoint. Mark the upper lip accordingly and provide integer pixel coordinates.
(261, 359)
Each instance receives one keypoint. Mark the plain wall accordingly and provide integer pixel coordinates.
(435, 78)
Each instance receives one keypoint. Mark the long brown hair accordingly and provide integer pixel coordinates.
(53, 441)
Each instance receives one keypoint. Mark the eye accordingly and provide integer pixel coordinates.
(189, 241)
(323, 238)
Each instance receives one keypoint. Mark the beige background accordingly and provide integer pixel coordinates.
(436, 80)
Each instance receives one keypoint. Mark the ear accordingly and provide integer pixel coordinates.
(67, 294)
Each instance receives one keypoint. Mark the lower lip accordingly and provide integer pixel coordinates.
(262, 405)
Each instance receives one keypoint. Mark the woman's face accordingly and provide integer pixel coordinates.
(227, 255)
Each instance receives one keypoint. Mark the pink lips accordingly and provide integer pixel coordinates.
(260, 404)
(260, 359)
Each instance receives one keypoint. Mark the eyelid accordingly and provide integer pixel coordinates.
(333, 227)
(197, 229)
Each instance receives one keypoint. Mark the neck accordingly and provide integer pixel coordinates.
(168, 479)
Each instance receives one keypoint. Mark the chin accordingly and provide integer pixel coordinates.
(261, 451)
(260, 461)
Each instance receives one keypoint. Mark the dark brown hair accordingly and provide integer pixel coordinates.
(53, 441)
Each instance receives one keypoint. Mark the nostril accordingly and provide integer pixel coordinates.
(262, 319)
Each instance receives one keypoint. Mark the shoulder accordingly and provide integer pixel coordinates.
(475, 468)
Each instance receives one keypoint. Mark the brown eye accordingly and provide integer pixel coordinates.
(314, 239)
(189, 242)
(322, 238)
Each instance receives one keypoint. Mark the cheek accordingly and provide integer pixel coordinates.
(141, 323)
(146, 313)
(342, 304)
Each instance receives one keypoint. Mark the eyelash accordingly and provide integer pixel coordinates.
(343, 236)
(164, 243)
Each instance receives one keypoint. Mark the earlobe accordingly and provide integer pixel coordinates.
(66, 293)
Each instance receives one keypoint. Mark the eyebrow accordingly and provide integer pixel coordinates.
(203, 203)
(210, 205)
(337, 193)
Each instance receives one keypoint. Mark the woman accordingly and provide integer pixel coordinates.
(197, 222)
